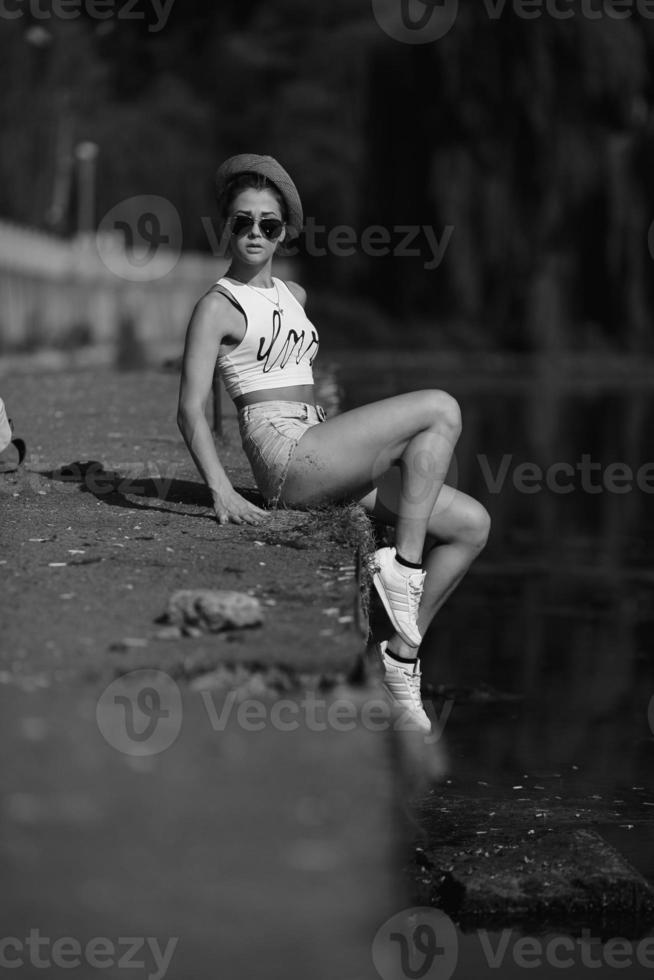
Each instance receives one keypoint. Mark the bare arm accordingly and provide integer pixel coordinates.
(213, 318)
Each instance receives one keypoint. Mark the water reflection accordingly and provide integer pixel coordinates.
(511, 955)
(559, 608)
(545, 647)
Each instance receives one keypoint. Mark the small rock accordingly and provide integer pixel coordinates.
(168, 633)
(128, 643)
(212, 610)
(300, 544)
(192, 631)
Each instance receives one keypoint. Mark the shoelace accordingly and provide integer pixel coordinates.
(414, 683)
(416, 584)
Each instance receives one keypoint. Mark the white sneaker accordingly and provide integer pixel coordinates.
(400, 589)
(402, 683)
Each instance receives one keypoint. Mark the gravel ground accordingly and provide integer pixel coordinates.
(108, 517)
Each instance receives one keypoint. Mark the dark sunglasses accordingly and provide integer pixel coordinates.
(271, 228)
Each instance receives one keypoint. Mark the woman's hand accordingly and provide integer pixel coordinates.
(232, 507)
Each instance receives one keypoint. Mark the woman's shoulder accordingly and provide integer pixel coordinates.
(296, 290)
(221, 288)
(218, 298)
(216, 311)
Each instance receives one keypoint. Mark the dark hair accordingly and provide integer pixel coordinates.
(241, 182)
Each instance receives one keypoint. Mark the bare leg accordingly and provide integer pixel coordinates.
(346, 456)
(458, 528)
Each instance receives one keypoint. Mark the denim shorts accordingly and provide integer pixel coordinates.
(270, 431)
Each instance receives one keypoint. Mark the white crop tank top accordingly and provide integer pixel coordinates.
(278, 348)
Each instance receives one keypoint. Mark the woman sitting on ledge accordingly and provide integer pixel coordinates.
(391, 456)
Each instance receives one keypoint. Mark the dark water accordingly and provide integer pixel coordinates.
(549, 638)
(559, 608)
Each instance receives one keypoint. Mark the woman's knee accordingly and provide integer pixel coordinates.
(443, 411)
(476, 526)
(470, 527)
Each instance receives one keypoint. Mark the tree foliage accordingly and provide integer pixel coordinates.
(532, 138)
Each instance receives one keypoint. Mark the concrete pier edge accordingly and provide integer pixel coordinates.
(105, 520)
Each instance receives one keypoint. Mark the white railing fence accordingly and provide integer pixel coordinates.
(60, 293)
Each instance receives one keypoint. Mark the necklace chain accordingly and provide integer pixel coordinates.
(275, 302)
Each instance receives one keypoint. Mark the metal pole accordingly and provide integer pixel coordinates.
(86, 154)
